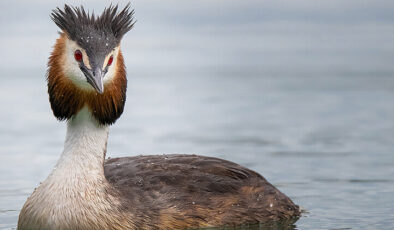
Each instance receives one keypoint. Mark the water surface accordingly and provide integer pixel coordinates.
(302, 92)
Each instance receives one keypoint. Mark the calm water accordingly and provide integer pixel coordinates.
(300, 91)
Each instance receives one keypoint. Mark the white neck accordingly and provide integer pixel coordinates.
(85, 146)
(76, 188)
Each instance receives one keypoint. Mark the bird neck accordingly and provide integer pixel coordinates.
(85, 146)
(76, 195)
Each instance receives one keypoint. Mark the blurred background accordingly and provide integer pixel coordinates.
(300, 91)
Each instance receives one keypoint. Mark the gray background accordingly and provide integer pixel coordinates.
(300, 91)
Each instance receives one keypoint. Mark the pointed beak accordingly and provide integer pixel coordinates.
(95, 79)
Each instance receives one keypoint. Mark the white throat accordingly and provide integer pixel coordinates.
(85, 145)
(76, 188)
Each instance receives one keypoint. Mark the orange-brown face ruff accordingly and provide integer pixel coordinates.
(67, 98)
(86, 68)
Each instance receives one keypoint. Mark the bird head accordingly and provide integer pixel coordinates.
(86, 67)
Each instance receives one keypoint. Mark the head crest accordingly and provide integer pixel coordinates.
(75, 21)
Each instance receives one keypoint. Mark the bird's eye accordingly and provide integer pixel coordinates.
(110, 60)
(78, 55)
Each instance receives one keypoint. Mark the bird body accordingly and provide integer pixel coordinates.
(87, 87)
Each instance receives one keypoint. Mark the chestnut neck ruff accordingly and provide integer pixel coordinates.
(67, 99)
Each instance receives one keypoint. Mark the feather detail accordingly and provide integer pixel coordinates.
(73, 20)
(67, 99)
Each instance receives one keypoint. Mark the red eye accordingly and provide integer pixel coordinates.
(78, 55)
(110, 60)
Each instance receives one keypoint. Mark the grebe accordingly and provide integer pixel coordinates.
(87, 87)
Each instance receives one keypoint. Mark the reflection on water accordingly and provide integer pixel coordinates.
(301, 92)
(278, 225)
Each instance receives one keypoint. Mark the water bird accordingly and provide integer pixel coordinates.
(87, 87)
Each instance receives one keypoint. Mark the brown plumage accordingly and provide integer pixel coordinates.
(85, 192)
(67, 99)
(186, 191)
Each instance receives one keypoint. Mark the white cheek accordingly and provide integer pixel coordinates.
(71, 66)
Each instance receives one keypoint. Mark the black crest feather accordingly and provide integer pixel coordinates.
(78, 23)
